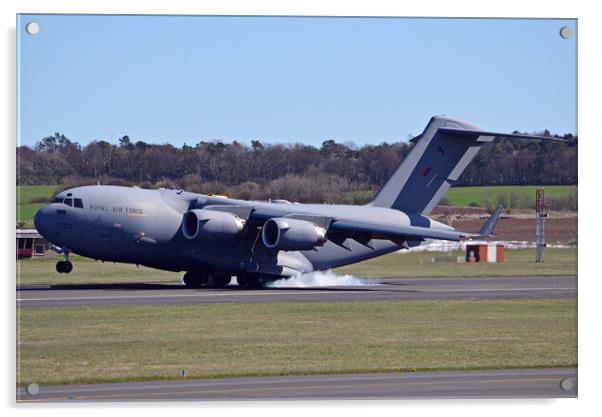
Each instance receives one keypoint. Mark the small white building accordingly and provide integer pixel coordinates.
(485, 252)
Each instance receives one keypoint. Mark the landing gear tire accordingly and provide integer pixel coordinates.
(64, 267)
(247, 281)
(196, 280)
(264, 280)
(220, 280)
(192, 280)
(252, 281)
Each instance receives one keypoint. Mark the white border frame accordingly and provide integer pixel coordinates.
(589, 71)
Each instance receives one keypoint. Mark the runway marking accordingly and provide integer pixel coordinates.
(246, 294)
(296, 387)
(502, 289)
(389, 376)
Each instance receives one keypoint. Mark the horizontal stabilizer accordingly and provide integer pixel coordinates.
(472, 133)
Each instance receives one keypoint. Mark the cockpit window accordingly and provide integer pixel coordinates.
(69, 202)
(58, 200)
(78, 203)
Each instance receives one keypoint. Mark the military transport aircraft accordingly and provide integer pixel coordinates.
(213, 238)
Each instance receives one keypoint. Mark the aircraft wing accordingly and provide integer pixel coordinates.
(363, 231)
(351, 228)
(339, 228)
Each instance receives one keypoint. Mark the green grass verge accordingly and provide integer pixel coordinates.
(420, 264)
(518, 262)
(463, 196)
(25, 209)
(85, 270)
(95, 344)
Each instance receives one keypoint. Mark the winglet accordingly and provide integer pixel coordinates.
(487, 228)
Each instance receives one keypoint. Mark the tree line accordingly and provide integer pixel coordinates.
(334, 172)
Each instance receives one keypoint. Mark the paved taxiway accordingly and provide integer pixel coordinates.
(504, 383)
(390, 289)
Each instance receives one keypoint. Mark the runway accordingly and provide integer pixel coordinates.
(391, 289)
(505, 383)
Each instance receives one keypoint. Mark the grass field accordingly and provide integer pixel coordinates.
(25, 209)
(518, 262)
(85, 270)
(464, 196)
(479, 196)
(79, 344)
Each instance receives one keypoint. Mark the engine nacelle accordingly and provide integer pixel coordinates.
(210, 225)
(291, 234)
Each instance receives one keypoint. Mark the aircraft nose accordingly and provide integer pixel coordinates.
(42, 220)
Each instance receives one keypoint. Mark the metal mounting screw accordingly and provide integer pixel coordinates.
(32, 28)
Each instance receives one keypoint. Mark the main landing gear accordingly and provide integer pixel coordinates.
(198, 280)
(246, 280)
(64, 266)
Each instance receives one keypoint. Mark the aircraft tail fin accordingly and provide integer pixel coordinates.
(438, 158)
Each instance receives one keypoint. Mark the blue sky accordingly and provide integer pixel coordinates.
(183, 79)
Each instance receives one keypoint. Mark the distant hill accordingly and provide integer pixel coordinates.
(26, 193)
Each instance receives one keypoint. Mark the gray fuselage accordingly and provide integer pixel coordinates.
(142, 226)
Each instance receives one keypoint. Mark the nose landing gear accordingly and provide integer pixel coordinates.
(64, 266)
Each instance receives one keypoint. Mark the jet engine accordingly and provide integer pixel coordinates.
(210, 225)
(292, 234)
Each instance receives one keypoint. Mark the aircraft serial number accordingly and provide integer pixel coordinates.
(64, 226)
